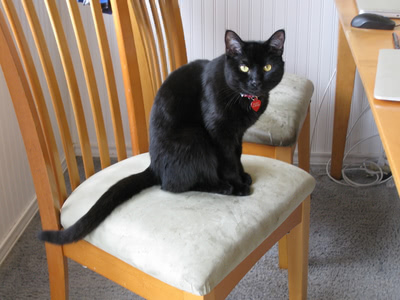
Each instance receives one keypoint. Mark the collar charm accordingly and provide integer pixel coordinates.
(255, 102)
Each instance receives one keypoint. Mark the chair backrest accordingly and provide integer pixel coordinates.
(148, 51)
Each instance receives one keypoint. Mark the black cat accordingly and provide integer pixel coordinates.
(197, 123)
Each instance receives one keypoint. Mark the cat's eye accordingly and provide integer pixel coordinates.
(267, 68)
(244, 68)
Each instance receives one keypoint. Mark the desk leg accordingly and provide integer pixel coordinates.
(346, 70)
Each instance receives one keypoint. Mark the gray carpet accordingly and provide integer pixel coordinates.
(354, 254)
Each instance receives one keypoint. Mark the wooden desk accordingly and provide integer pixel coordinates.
(360, 48)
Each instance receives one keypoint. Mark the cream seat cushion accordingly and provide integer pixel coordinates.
(280, 124)
(191, 240)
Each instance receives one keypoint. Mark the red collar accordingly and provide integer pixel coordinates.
(255, 102)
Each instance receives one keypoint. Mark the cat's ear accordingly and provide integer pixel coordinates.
(276, 42)
(233, 43)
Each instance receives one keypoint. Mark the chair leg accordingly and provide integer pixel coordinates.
(283, 252)
(188, 296)
(304, 163)
(298, 241)
(58, 272)
(284, 154)
(304, 144)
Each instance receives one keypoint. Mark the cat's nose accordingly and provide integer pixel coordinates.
(255, 83)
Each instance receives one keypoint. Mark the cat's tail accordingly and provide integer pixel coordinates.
(120, 192)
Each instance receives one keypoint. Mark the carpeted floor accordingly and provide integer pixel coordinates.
(354, 254)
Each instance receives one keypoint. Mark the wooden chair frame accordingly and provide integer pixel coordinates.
(44, 160)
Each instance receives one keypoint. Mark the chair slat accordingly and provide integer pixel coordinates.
(174, 32)
(131, 76)
(37, 94)
(160, 39)
(54, 90)
(140, 34)
(147, 68)
(179, 36)
(72, 86)
(90, 81)
(150, 44)
(168, 24)
(109, 79)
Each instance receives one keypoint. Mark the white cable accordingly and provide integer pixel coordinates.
(347, 181)
(358, 119)
(320, 105)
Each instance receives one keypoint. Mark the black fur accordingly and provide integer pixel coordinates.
(197, 123)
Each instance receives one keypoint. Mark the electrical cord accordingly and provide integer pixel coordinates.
(366, 166)
(379, 174)
(320, 105)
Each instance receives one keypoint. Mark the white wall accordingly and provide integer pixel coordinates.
(17, 194)
(310, 50)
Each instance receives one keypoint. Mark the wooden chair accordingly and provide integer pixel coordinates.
(186, 246)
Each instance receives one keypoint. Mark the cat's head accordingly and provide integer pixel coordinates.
(254, 67)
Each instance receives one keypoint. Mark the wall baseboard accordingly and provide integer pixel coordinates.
(20, 225)
(18, 229)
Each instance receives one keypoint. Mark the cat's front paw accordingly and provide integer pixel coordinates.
(246, 178)
(242, 190)
(226, 189)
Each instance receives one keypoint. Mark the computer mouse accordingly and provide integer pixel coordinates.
(372, 21)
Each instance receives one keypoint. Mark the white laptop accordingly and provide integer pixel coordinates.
(387, 81)
(387, 8)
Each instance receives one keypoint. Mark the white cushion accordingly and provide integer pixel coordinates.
(191, 240)
(280, 124)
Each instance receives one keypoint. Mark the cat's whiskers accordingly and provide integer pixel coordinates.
(229, 93)
(226, 93)
(222, 92)
(232, 101)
